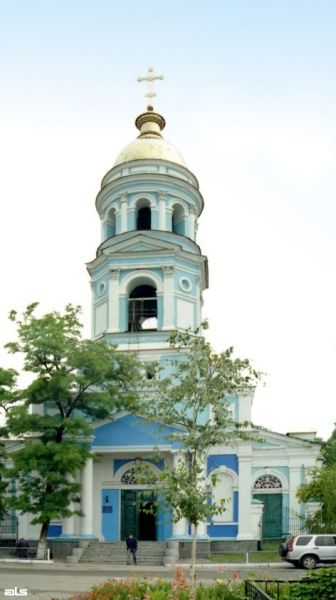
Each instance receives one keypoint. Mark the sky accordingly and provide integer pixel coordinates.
(249, 97)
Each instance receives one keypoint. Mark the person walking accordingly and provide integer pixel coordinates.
(132, 546)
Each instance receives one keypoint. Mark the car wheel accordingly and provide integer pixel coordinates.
(309, 561)
(283, 549)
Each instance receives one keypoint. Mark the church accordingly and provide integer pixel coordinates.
(147, 280)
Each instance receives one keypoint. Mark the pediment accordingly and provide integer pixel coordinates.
(139, 244)
(273, 440)
(132, 431)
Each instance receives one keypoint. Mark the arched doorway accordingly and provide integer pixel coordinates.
(138, 512)
(268, 489)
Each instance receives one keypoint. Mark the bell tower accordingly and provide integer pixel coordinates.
(149, 273)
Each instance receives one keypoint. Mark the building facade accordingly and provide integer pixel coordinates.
(147, 280)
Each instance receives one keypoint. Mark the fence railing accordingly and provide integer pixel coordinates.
(254, 592)
(21, 553)
(275, 588)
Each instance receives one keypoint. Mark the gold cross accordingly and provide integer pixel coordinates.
(150, 77)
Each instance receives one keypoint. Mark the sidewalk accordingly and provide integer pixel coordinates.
(108, 568)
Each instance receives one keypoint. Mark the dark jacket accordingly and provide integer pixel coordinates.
(131, 544)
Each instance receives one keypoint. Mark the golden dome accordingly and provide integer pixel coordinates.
(150, 143)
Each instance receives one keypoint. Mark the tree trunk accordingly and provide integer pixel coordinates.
(42, 544)
(193, 561)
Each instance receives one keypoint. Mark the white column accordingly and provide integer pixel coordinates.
(162, 211)
(168, 297)
(180, 528)
(245, 494)
(87, 500)
(198, 316)
(192, 221)
(113, 323)
(68, 526)
(123, 213)
(202, 529)
(93, 312)
(294, 483)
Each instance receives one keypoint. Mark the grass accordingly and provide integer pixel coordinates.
(269, 553)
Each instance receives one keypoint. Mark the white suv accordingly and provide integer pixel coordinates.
(306, 550)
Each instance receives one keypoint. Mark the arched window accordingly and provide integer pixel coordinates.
(267, 482)
(178, 220)
(110, 223)
(142, 309)
(143, 215)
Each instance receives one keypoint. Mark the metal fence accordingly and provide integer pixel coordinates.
(254, 592)
(282, 523)
(9, 528)
(14, 552)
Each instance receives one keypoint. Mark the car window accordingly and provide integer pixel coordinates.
(325, 540)
(303, 540)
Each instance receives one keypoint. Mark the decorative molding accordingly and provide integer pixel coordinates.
(168, 271)
(114, 273)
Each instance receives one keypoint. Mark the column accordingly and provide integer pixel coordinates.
(113, 309)
(162, 211)
(87, 500)
(192, 222)
(93, 329)
(295, 480)
(68, 527)
(198, 315)
(168, 297)
(123, 213)
(245, 494)
(180, 528)
(202, 529)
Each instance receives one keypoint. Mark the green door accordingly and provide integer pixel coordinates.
(129, 521)
(138, 514)
(272, 515)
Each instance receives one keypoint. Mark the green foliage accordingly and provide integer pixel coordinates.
(159, 589)
(194, 399)
(76, 381)
(328, 451)
(320, 583)
(201, 381)
(321, 488)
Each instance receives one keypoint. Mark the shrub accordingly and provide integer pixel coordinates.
(318, 584)
(160, 589)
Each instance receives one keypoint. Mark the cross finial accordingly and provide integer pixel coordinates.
(150, 77)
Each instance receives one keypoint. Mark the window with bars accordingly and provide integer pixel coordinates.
(142, 309)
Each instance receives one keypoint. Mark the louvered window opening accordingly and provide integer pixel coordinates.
(139, 310)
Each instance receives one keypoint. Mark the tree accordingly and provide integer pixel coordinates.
(194, 398)
(321, 488)
(8, 395)
(76, 381)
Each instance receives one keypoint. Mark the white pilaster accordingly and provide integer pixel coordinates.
(114, 301)
(245, 494)
(68, 526)
(168, 297)
(87, 499)
(294, 483)
(123, 213)
(202, 529)
(198, 302)
(162, 211)
(192, 221)
(180, 528)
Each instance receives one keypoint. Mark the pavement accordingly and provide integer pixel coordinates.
(43, 581)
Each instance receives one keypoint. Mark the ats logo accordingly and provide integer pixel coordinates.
(16, 591)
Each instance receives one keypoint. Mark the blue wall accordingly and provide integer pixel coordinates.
(110, 511)
(223, 460)
(223, 531)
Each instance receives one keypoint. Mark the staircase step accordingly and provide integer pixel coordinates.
(149, 553)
